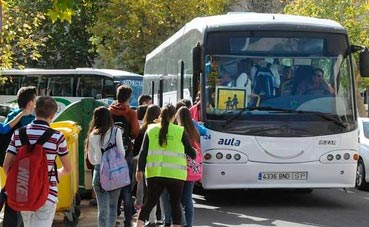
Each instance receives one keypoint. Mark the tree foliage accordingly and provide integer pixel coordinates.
(19, 41)
(68, 44)
(128, 30)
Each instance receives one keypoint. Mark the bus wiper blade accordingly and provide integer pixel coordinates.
(262, 108)
(269, 108)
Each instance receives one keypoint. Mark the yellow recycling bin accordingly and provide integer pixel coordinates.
(68, 198)
(2, 177)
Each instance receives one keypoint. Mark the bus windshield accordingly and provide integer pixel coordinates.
(265, 79)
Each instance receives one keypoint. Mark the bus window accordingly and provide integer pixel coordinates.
(11, 85)
(109, 89)
(61, 86)
(30, 81)
(89, 86)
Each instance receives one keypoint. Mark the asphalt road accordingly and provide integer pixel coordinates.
(277, 208)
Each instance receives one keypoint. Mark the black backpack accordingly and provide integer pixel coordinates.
(264, 81)
(123, 124)
(5, 140)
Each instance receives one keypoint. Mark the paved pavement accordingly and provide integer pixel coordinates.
(88, 217)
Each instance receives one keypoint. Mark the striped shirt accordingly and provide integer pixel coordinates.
(56, 145)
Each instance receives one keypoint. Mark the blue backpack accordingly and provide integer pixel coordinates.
(114, 172)
(264, 81)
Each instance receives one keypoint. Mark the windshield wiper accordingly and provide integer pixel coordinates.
(269, 108)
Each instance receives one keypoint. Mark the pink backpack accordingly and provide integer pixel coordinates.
(114, 172)
(194, 166)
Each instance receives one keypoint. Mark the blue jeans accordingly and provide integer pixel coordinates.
(166, 209)
(126, 196)
(187, 202)
(106, 201)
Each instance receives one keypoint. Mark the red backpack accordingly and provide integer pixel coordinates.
(27, 183)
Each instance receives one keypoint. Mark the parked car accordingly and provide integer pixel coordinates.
(362, 172)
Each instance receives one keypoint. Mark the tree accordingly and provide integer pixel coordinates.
(265, 6)
(19, 43)
(68, 44)
(128, 30)
(353, 15)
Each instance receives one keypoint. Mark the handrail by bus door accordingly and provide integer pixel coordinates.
(160, 92)
(181, 80)
(152, 90)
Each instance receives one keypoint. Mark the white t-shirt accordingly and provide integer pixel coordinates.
(94, 146)
(244, 82)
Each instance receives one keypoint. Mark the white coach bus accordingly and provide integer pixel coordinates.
(69, 85)
(283, 139)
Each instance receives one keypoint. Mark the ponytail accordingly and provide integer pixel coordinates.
(167, 113)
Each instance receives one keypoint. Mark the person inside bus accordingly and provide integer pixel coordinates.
(244, 78)
(315, 85)
(287, 84)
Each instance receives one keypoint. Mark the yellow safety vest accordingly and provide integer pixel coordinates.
(168, 161)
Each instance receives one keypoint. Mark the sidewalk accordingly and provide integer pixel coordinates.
(88, 217)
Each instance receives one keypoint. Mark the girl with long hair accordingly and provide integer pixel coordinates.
(162, 156)
(99, 133)
(194, 166)
(151, 116)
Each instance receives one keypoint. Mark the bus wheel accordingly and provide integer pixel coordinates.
(360, 182)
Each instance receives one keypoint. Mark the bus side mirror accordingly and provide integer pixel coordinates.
(196, 59)
(364, 62)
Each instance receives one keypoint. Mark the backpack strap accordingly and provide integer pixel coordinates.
(23, 136)
(111, 142)
(45, 137)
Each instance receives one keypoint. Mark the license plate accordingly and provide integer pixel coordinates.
(283, 176)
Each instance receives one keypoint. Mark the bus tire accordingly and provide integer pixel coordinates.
(360, 181)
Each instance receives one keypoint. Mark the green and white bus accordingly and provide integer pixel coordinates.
(285, 139)
(69, 85)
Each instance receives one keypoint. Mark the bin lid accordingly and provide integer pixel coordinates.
(73, 126)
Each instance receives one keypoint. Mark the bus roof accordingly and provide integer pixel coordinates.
(255, 21)
(103, 72)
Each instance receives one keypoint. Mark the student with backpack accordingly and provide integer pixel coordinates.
(151, 116)
(194, 166)
(103, 137)
(126, 118)
(163, 159)
(31, 169)
(26, 97)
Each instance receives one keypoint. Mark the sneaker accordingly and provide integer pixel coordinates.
(150, 225)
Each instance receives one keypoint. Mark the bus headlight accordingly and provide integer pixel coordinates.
(219, 155)
(207, 156)
(338, 156)
(330, 157)
(346, 156)
(237, 157)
